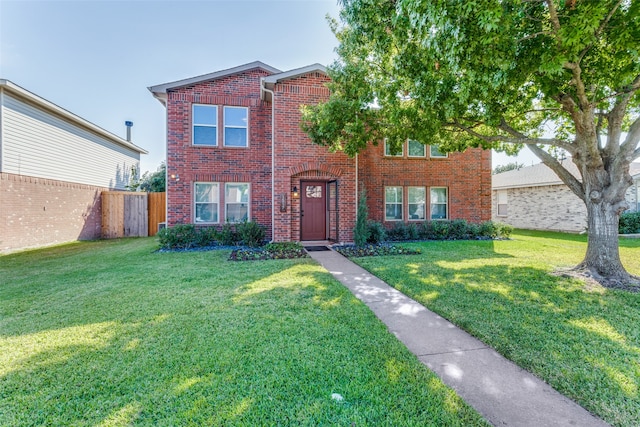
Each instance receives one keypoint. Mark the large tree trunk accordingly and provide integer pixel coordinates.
(603, 256)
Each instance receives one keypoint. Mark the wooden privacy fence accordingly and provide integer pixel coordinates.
(129, 214)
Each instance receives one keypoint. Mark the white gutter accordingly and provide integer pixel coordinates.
(273, 157)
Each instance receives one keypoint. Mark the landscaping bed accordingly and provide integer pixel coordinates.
(374, 250)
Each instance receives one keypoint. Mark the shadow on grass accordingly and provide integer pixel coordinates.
(584, 342)
(122, 336)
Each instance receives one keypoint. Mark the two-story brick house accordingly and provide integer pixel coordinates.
(235, 151)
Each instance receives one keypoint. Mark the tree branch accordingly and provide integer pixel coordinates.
(553, 15)
(576, 71)
(600, 29)
(631, 141)
(515, 138)
(571, 181)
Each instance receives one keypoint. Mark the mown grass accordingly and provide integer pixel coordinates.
(111, 334)
(583, 340)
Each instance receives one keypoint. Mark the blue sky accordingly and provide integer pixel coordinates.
(97, 58)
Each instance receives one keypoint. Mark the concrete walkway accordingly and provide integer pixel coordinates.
(502, 392)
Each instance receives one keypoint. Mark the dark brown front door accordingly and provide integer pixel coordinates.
(313, 210)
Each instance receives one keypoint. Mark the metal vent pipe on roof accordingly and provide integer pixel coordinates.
(128, 124)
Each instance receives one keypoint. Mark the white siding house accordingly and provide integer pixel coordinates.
(533, 197)
(53, 167)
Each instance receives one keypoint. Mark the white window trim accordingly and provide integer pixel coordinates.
(425, 203)
(399, 155)
(226, 202)
(193, 125)
(424, 150)
(431, 156)
(431, 205)
(401, 203)
(225, 126)
(217, 202)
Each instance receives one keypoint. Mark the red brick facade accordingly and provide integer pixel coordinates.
(466, 176)
(39, 211)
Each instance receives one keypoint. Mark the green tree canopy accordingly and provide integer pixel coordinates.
(496, 74)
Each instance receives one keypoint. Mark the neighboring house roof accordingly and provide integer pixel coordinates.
(160, 91)
(540, 174)
(12, 88)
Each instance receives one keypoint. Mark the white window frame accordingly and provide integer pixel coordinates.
(226, 201)
(424, 203)
(194, 124)
(401, 154)
(441, 156)
(215, 202)
(502, 203)
(225, 126)
(424, 149)
(446, 203)
(401, 203)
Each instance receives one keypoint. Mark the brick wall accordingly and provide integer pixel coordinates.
(297, 158)
(549, 207)
(38, 212)
(219, 164)
(466, 175)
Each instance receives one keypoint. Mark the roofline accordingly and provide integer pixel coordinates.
(275, 78)
(160, 91)
(537, 184)
(10, 87)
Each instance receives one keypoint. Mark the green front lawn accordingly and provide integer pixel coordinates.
(112, 334)
(584, 341)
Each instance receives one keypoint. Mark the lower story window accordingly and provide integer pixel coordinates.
(417, 201)
(393, 203)
(236, 196)
(502, 202)
(206, 202)
(438, 203)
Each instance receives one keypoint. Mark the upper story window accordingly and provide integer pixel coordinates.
(236, 126)
(205, 125)
(434, 152)
(416, 149)
(387, 150)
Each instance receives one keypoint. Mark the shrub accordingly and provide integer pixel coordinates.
(377, 232)
(180, 236)
(250, 234)
(495, 230)
(206, 236)
(629, 223)
(228, 235)
(440, 229)
(458, 230)
(412, 231)
(398, 232)
(187, 236)
(361, 231)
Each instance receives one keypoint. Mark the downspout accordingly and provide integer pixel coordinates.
(357, 195)
(273, 158)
